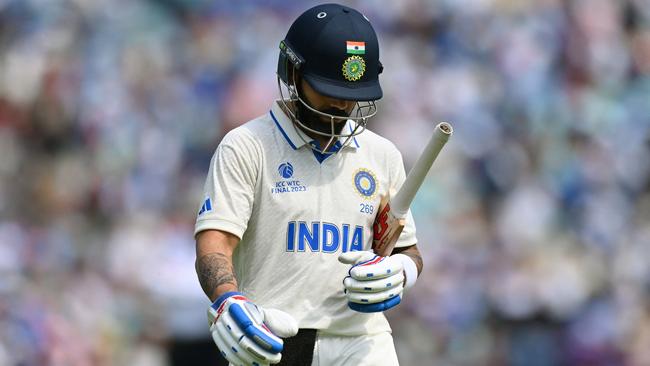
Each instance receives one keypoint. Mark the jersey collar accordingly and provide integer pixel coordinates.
(296, 138)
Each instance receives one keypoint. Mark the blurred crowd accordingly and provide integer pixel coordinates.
(534, 223)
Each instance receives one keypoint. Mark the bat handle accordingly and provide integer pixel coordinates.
(401, 202)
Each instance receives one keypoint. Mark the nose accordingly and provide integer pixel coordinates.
(342, 104)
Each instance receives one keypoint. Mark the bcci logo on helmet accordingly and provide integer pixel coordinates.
(353, 68)
(285, 170)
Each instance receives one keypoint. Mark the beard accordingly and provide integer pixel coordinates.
(320, 123)
(317, 122)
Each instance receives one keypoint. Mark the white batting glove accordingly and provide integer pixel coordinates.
(376, 283)
(246, 334)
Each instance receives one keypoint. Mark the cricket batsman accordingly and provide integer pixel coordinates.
(284, 234)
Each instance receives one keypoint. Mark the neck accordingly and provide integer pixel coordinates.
(322, 141)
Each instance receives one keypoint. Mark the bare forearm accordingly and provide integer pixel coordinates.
(214, 250)
(216, 274)
(412, 252)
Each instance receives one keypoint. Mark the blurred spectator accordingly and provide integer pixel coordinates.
(534, 223)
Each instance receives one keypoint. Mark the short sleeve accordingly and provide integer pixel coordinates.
(229, 190)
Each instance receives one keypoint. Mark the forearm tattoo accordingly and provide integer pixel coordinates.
(214, 270)
(413, 253)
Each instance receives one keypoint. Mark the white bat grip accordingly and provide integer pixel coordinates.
(402, 201)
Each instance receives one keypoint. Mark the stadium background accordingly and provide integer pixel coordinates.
(534, 224)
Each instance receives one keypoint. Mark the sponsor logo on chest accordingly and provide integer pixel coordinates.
(323, 237)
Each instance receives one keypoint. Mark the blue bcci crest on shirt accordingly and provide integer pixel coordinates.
(365, 182)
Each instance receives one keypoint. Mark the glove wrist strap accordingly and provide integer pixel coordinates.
(213, 310)
(410, 269)
(215, 305)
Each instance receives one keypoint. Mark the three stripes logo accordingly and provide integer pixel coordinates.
(206, 207)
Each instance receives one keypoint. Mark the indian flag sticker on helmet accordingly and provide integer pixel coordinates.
(356, 48)
(353, 68)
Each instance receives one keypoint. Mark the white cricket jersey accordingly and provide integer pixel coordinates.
(296, 211)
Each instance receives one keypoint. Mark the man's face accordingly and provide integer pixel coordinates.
(322, 103)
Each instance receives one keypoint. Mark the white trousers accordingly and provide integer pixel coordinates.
(367, 350)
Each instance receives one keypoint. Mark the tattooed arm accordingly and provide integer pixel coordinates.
(413, 252)
(214, 268)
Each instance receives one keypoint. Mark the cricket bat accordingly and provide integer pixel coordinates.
(390, 220)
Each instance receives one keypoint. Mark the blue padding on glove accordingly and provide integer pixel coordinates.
(377, 307)
(215, 305)
(247, 325)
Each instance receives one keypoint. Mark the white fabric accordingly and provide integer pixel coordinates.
(369, 350)
(245, 194)
(366, 350)
(410, 269)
